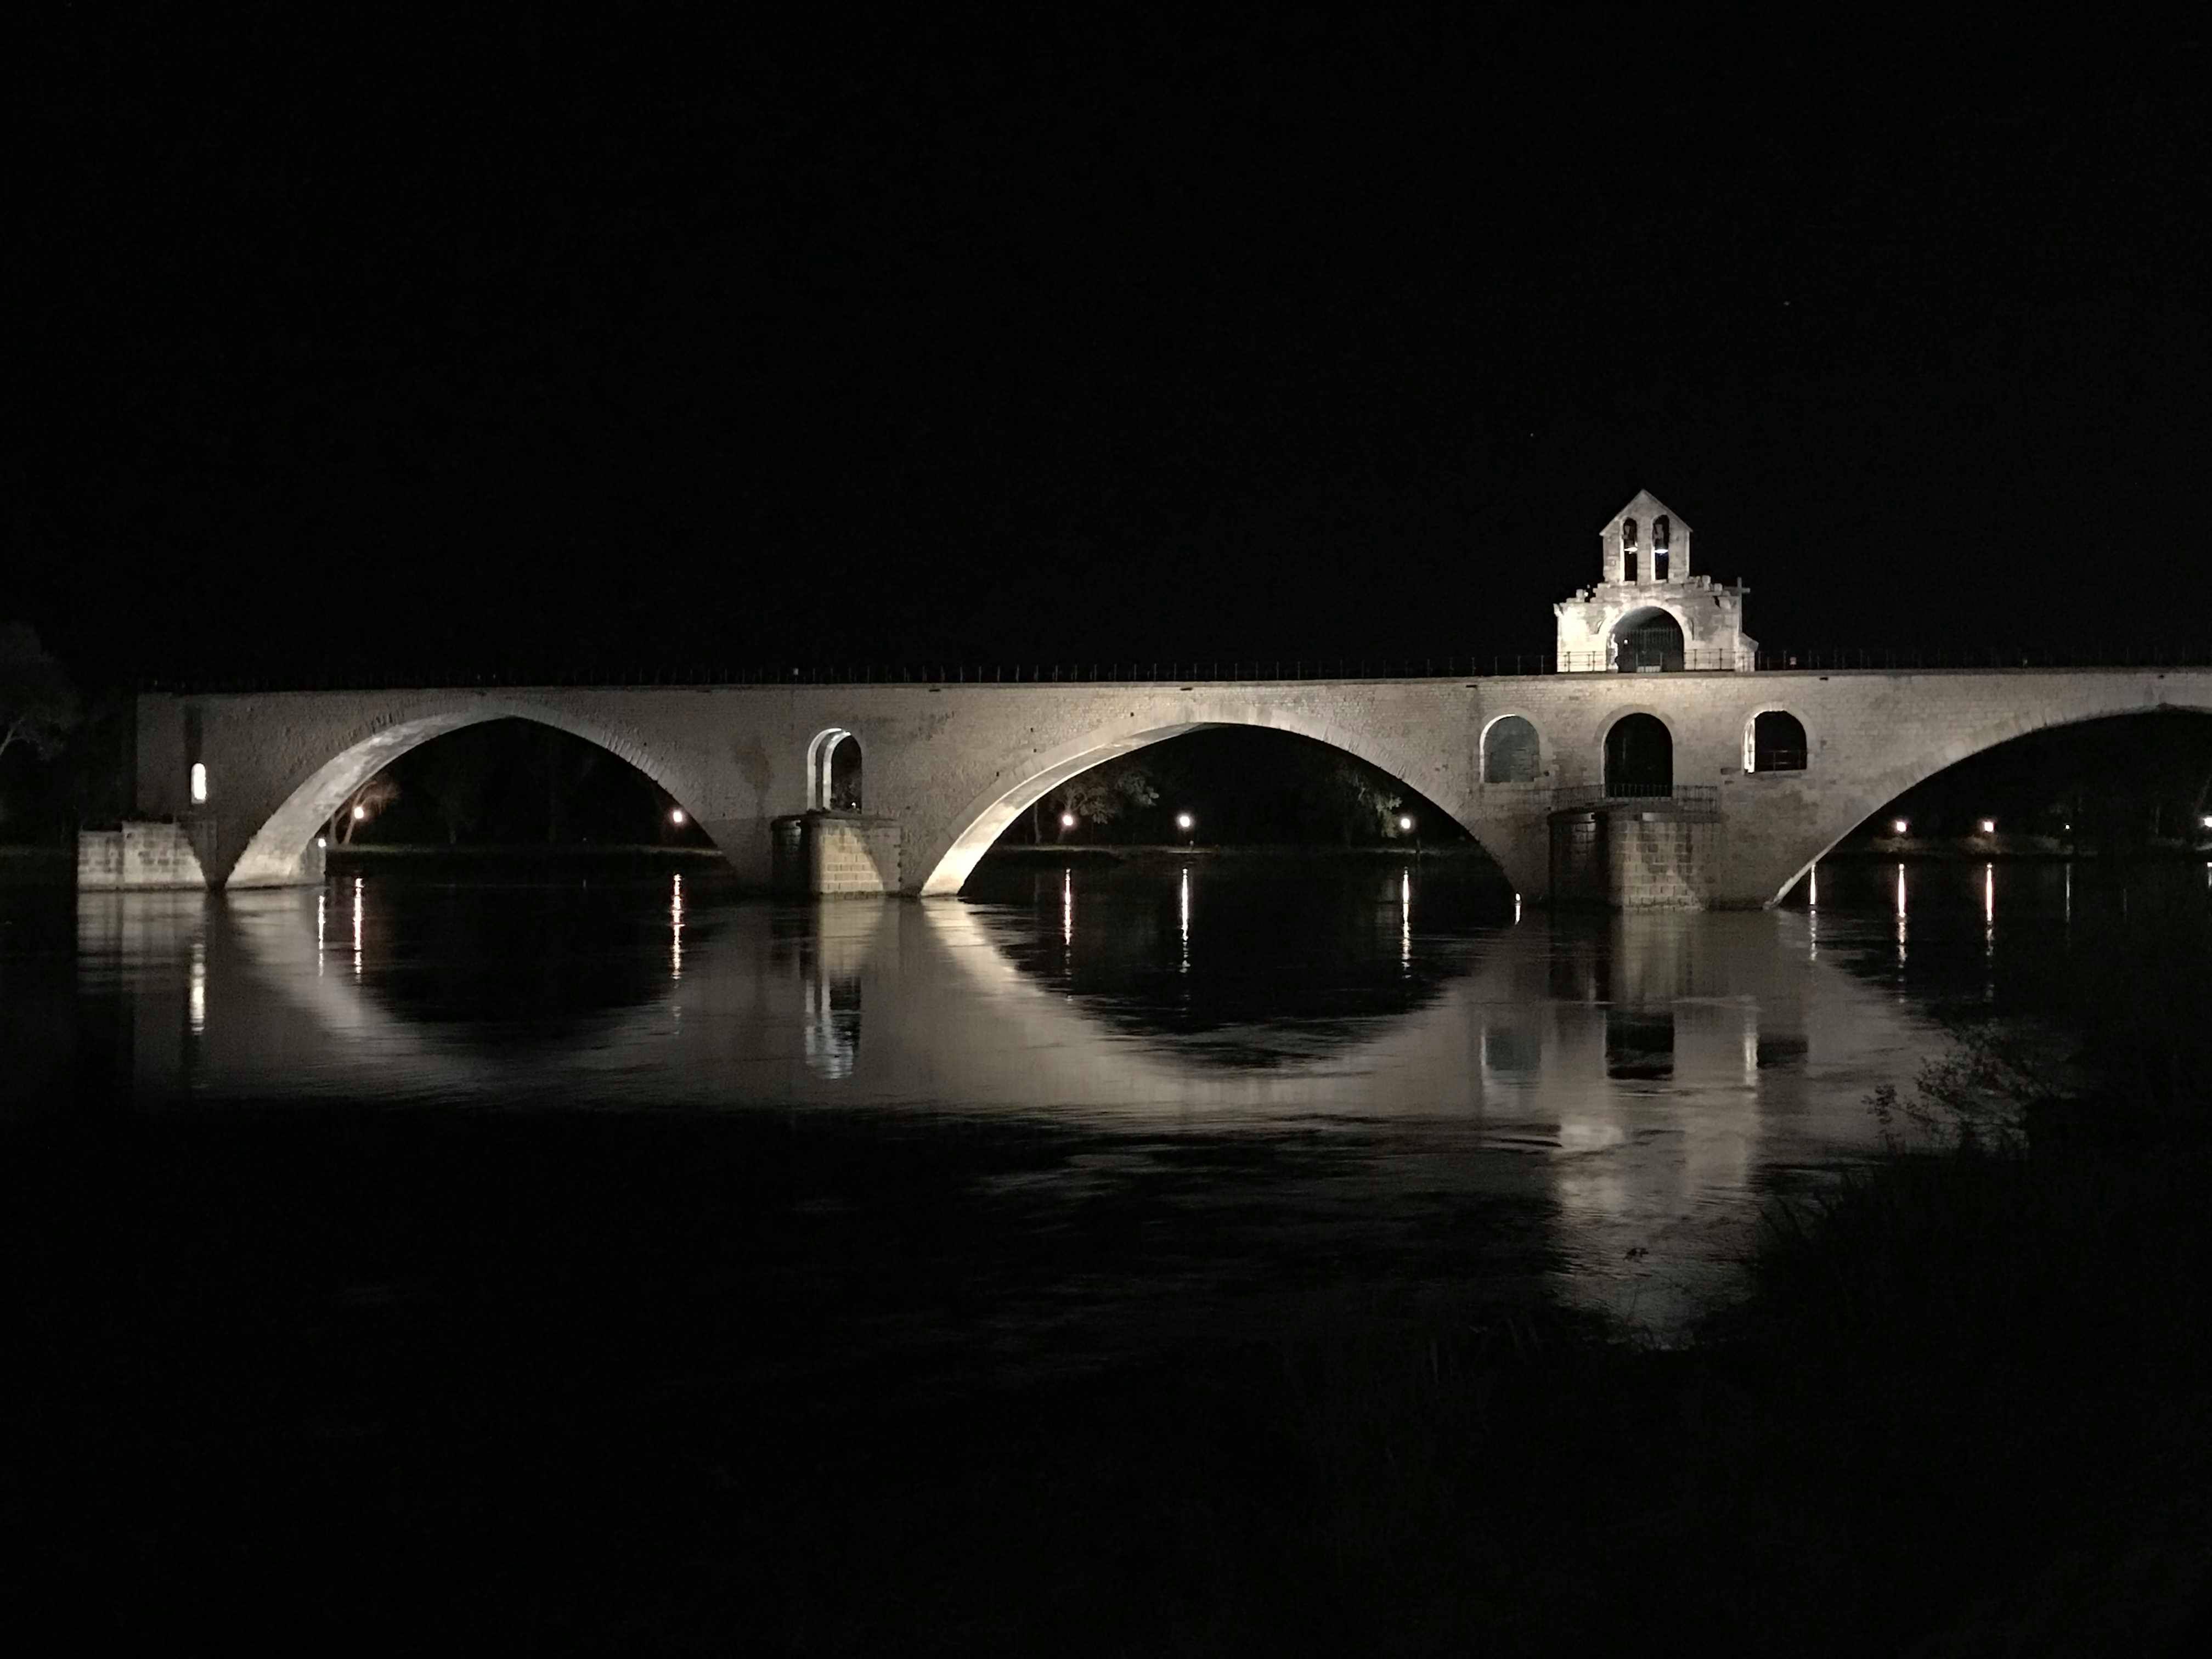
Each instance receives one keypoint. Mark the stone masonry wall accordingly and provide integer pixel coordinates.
(1658, 862)
(138, 855)
(854, 855)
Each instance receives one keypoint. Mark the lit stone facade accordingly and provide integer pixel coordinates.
(952, 765)
(1623, 624)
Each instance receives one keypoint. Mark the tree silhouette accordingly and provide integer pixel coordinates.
(455, 774)
(1098, 796)
(38, 706)
(364, 804)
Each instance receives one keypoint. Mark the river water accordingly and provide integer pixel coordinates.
(1156, 1104)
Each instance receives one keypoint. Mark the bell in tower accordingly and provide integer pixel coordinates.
(1648, 613)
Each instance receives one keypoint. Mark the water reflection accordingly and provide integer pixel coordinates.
(676, 930)
(1612, 1098)
(1183, 908)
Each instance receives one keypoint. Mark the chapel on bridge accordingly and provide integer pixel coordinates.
(1648, 613)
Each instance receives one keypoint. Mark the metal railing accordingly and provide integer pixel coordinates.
(1702, 659)
(1156, 671)
(1690, 797)
(1171, 671)
(1878, 658)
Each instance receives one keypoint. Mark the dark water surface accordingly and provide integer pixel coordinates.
(1080, 1114)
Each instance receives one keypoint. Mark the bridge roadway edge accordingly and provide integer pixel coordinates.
(953, 763)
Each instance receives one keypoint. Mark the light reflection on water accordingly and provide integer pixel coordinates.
(1498, 1104)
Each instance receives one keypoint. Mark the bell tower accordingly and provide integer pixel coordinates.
(1648, 613)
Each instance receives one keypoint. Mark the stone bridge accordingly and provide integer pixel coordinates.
(948, 767)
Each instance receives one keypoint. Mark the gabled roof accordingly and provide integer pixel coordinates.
(1645, 506)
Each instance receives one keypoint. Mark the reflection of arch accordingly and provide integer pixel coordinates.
(272, 855)
(1511, 752)
(1648, 639)
(1774, 741)
(833, 771)
(985, 818)
(1640, 758)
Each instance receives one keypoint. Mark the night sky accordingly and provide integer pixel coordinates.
(1082, 334)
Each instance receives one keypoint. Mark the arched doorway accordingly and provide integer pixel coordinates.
(843, 778)
(1639, 758)
(1647, 642)
(833, 761)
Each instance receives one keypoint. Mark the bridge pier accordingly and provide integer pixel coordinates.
(1662, 854)
(831, 854)
(137, 856)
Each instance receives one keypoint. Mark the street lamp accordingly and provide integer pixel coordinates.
(360, 813)
(1405, 823)
(676, 816)
(1185, 822)
(1989, 826)
(1898, 826)
(1067, 820)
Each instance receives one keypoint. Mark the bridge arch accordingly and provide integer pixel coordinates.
(1839, 806)
(282, 829)
(948, 858)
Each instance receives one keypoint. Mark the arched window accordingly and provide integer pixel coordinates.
(1662, 537)
(1775, 742)
(1628, 532)
(833, 766)
(1639, 758)
(1509, 752)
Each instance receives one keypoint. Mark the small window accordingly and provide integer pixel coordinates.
(1662, 533)
(1628, 532)
(199, 783)
(1776, 743)
(1509, 752)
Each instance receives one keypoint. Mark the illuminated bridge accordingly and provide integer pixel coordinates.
(1692, 787)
